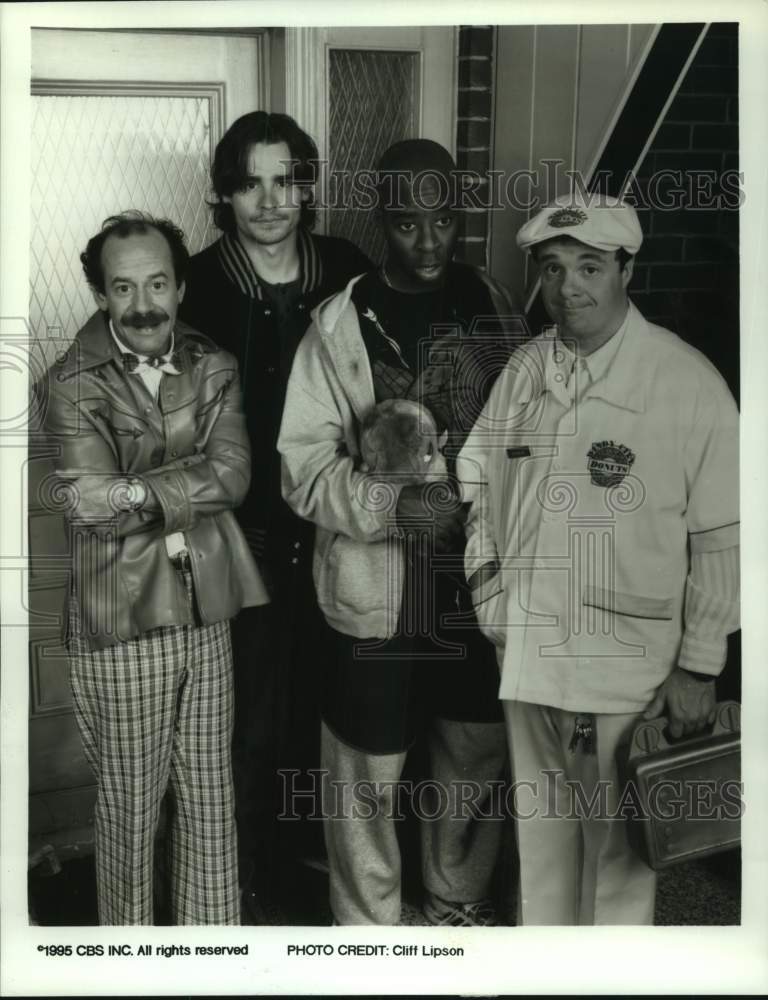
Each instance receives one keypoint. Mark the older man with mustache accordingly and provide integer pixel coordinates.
(153, 448)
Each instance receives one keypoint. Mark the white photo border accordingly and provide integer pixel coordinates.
(686, 960)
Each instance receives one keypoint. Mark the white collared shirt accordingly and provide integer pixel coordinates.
(575, 372)
(151, 377)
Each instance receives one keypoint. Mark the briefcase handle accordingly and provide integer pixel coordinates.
(652, 736)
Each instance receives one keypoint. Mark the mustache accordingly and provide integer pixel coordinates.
(140, 321)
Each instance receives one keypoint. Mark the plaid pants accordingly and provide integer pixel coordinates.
(156, 712)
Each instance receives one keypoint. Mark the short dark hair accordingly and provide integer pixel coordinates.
(229, 171)
(622, 256)
(126, 224)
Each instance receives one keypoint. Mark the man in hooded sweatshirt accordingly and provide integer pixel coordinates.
(407, 656)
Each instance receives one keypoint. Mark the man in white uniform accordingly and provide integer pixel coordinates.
(602, 555)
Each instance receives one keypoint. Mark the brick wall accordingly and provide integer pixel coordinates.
(474, 131)
(687, 274)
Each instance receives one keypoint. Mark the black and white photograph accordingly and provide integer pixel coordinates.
(383, 441)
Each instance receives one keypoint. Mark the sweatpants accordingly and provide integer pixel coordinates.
(576, 863)
(154, 713)
(460, 838)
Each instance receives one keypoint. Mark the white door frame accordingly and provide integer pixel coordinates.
(307, 74)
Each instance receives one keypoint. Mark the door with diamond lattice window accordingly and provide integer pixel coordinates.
(372, 103)
(119, 120)
(371, 87)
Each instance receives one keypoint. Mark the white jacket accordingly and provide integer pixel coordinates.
(592, 509)
(357, 563)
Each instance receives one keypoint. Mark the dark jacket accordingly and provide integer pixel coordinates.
(227, 301)
(190, 447)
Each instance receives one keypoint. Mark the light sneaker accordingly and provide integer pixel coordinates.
(444, 913)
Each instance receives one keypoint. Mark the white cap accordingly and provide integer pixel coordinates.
(598, 221)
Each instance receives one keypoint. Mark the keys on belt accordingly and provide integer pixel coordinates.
(181, 561)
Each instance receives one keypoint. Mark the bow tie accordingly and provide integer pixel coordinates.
(168, 364)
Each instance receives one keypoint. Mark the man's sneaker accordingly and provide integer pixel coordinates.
(443, 913)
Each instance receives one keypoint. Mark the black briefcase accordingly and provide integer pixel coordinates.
(684, 796)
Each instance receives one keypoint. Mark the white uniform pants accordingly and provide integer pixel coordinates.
(578, 870)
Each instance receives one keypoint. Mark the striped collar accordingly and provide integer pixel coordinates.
(241, 272)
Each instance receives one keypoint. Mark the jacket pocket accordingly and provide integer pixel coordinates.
(356, 578)
(643, 624)
(119, 423)
(630, 605)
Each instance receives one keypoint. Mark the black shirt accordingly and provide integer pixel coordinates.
(443, 348)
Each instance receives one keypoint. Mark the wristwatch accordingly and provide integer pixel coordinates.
(131, 496)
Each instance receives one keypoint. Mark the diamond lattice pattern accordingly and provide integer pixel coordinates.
(372, 99)
(94, 156)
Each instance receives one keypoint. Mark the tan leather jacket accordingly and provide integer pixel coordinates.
(191, 447)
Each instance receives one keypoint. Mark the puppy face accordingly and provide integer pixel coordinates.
(399, 438)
